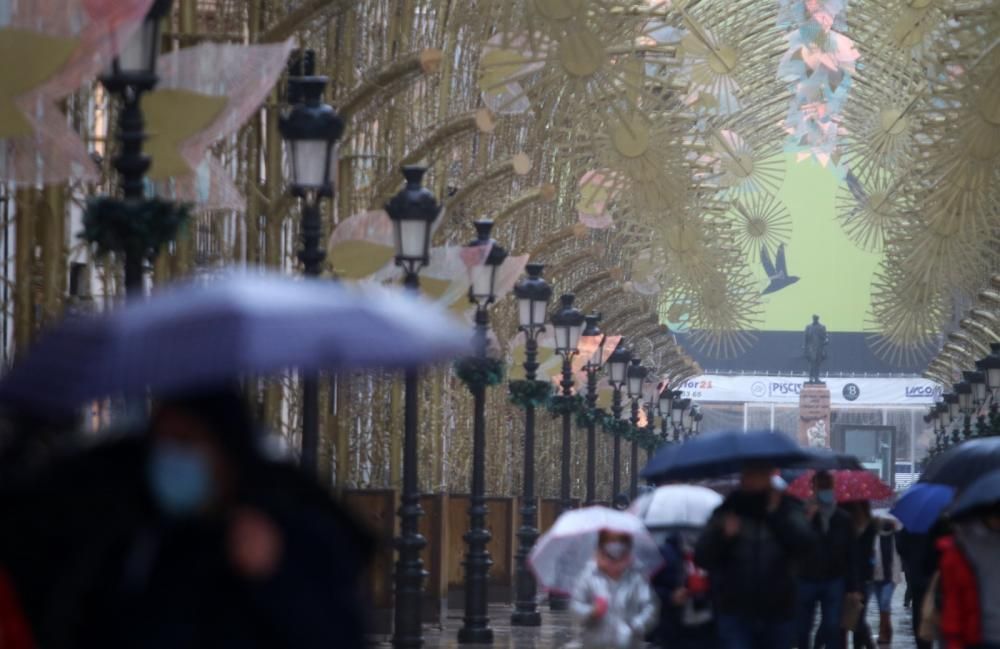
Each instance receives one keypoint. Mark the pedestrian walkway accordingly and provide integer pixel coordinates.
(557, 629)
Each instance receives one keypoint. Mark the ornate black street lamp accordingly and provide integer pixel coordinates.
(990, 366)
(482, 292)
(133, 226)
(311, 130)
(533, 294)
(696, 416)
(567, 325)
(954, 413)
(592, 367)
(679, 407)
(964, 392)
(665, 406)
(618, 363)
(413, 212)
(636, 378)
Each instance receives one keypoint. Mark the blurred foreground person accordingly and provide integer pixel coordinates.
(969, 571)
(682, 587)
(750, 549)
(612, 601)
(189, 537)
(828, 570)
(865, 534)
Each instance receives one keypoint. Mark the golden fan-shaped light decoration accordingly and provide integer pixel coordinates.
(905, 315)
(581, 60)
(723, 312)
(869, 207)
(759, 220)
(746, 164)
(728, 51)
(646, 156)
(881, 122)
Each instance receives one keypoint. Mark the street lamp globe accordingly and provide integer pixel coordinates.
(482, 289)
(666, 401)
(964, 392)
(592, 330)
(677, 414)
(990, 365)
(135, 63)
(533, 294)
(311, 130)
(618, 364)
(636, 377)
(954, 409)
(567, 325)
(978, 382)
(413, 212)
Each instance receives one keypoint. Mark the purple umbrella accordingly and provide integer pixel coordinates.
(199, 336)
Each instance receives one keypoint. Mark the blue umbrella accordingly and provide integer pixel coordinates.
(718, 454)
(982, 493)
(921, 505)
(198, 336)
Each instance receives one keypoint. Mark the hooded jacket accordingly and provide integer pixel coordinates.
(754, 573)
(632, 609)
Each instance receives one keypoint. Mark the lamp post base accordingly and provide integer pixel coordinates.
(475, 636)
(526, 618)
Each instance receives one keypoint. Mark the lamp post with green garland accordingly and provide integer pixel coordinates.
(592, 367)
(482, 292)
(618, 363)
(533, 294)
(132, 226)
(635, 379)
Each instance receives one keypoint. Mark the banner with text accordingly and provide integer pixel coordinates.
(785, 389)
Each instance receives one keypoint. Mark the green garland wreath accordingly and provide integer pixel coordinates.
(476, 372)
(586, 417)
(143, 226)
(560, 404)
(526, 393)
(614, 426)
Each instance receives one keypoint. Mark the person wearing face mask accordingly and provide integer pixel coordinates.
(190, 537)
(969, 568)
(750, 548)
(829, 571)
(612, 602)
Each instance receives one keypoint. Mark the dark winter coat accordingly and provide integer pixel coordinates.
(754, 574)
(834, 554)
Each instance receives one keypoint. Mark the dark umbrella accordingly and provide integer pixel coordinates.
(964, 464)
(822, 459)
(718, 454)
(984, 492)
(199, 336)
(921, 505)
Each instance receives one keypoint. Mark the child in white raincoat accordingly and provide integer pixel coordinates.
(612, 601)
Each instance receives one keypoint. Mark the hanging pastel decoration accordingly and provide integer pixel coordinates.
(205, 94)
(50, 48)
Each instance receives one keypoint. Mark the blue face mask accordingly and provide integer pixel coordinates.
(180, 478)
(825, 496)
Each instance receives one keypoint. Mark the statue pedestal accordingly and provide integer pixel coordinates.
(814, 415)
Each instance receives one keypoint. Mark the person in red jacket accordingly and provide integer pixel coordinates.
(969, 567)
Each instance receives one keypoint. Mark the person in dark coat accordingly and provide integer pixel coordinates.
(750, 549)
(865, 530)
(829, 569)
(920, 559)
(685, 607)
(189, 538)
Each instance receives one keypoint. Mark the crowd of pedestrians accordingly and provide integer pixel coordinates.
(773, 571)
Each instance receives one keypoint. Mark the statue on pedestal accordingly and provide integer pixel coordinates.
(815, 348)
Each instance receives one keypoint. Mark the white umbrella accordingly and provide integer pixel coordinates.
(561, 554)
(677, 506)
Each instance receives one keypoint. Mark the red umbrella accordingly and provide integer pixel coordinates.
(849, 485)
